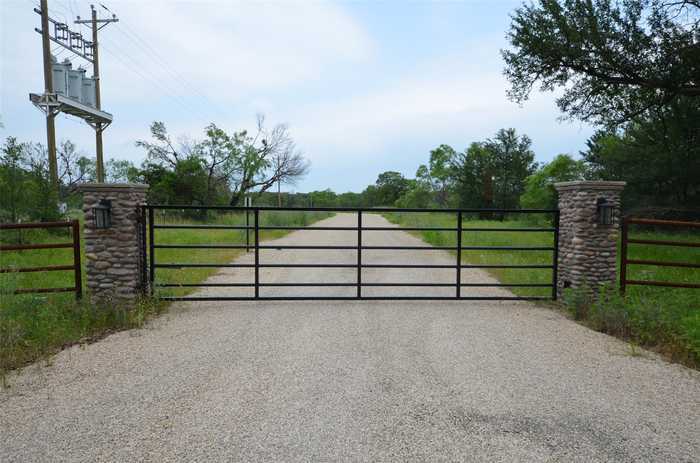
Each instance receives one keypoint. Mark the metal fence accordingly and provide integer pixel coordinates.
(74, 225)
(625, 261)
(359, 247)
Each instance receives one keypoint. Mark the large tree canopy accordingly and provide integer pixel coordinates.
(613, 59)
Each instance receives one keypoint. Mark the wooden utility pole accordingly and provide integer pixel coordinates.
(100, 167)
(48, 89)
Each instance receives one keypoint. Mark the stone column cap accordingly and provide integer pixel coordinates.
(112, 186)
(590, 185)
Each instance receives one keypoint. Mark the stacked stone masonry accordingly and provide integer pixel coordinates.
(114, 255)
(587, 249)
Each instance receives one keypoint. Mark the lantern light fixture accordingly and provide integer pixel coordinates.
(102, 214)
(605, 212)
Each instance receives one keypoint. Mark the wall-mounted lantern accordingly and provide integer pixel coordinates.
(102, 214)
(605, 212)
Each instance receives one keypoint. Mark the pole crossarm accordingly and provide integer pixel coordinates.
(53, 102)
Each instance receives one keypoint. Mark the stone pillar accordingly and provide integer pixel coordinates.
(114, 255)
(587, 249)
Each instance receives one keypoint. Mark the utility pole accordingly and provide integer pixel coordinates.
(100, 169)
(48, 89)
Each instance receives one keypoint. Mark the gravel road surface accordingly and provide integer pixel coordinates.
(353, 381)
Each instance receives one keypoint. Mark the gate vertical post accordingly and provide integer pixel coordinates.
(359, 254)
(459, 254)
(555, 260)
(256, 221)
(588, 234)
(623, 256)
(247, 230)
(77, 264)
(151, 251)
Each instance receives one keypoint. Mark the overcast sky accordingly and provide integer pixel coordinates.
(364, 86)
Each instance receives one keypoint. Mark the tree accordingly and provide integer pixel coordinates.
(390, 186)
(229, 164)
(268, 157)
(658, 157)
(511, 162)
(539, 188)
(473, 177)
(73, 168)
(121, 171)
(439, 174)
(614, 60)
(13, 180)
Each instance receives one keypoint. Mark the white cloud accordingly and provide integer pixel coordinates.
(455, 102)
(230, 50)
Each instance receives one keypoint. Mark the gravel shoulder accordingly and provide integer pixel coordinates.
(353, 380)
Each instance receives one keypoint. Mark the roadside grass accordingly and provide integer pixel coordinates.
(35, 326)
(663, 319)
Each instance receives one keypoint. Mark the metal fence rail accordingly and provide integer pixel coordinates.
(625, 261)
(359, 247)
(74, 225)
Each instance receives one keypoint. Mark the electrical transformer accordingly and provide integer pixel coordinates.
(88, 91)
(74, 82)
(59, 74)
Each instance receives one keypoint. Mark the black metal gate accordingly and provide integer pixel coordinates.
(253, 225)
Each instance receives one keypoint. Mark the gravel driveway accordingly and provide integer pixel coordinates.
(353, 381)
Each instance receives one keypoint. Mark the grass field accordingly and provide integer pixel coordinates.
(33, 326)
(665, 319)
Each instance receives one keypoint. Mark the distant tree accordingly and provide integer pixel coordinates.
(390, 186)
(473, 176)
(511, 161)
(324, 198)
(349, 199)
(539, 188)
(439, 173)
(121, 171)
(613, 60)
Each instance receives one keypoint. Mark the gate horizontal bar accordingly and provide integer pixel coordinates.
(449, 229)
(508, 248)
(203, 265)
(507, 266)
(200, 246)
(672, 223)
(45, 290)
(661, 283)
(20, 226)
(663, 263)
(355, 298)
(21, 247)
(205, 227)
(507, 285)
(354, 248)
(351, 209)
(446, 266)
(509, 229)
(665, 243)
(196, 285)
(48, 268)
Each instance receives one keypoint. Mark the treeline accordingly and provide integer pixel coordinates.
(662, 174)
(219, 169)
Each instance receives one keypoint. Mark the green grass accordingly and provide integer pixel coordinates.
(664, 319)
(34, 326)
